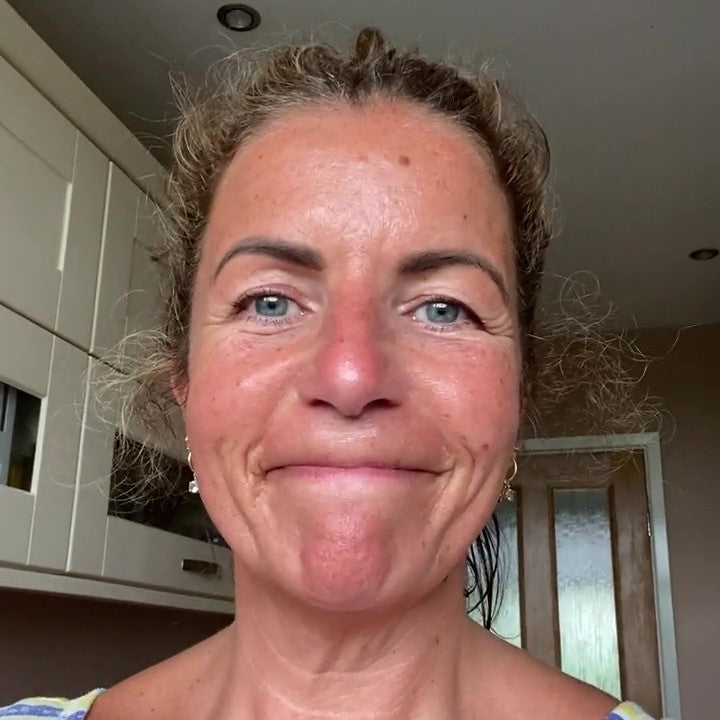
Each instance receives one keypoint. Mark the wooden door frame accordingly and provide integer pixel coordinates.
(649, 445)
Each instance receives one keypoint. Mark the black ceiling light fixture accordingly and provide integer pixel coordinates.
(239, 18)
(704, 254)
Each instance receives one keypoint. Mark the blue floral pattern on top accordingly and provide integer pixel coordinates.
(44, 707)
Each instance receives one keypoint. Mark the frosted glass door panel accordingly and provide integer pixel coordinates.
(586, 593)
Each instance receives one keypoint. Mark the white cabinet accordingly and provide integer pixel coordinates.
(35, 522)
(78, 272)
(108, 540)
(52, 194)
(119, 549)
(129, 295)
(113, 287)
(147, 279)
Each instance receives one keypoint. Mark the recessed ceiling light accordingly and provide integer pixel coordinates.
(240, 18)
(704, 254)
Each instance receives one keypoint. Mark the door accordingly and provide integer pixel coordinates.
(577, 571)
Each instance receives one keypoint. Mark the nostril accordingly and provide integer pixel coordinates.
(355, 410)
(381, 404)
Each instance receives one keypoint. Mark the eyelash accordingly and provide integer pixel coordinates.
(241, 305)
(439, 328)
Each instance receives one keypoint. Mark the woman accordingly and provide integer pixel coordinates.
(358, 242)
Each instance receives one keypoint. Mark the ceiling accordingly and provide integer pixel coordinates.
(627, 90)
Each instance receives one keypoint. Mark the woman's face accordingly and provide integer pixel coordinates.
(352, 392)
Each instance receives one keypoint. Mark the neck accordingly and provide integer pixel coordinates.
(284, 661)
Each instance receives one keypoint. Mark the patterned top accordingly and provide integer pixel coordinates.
(44, 707)
(77, 708)
(625, 711)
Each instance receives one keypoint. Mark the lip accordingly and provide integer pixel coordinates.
(350, 472)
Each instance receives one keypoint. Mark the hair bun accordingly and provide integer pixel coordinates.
(369, 41)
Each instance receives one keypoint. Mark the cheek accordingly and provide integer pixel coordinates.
(233, 389)
(477, 401)
(478, 398)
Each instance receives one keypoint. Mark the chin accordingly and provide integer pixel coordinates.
(345, 567)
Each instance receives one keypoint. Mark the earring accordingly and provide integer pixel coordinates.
(193, 484)
(508, 493)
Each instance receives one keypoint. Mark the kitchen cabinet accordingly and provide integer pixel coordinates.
(48, 374)
(128, 530)
(79, 272)
(52, 195)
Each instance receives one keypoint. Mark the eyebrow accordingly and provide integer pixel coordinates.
(305, 257)
(293, 253)
(437, 259)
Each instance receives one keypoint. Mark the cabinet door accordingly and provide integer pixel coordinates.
(47, 375)
(52, 194)
(118, 240)
(147, 278)
(123, 532)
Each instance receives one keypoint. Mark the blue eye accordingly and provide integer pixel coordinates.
(445, 313)
(271, 305)
(441, 312)
(266, 307)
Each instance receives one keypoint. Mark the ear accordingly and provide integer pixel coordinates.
(179, 384)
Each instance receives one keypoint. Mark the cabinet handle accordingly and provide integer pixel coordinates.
(202, 567)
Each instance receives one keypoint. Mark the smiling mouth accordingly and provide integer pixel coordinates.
(351, 473)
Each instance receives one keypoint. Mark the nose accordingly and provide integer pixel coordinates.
(354, 367)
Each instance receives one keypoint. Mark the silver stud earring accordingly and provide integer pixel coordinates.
(193, 484)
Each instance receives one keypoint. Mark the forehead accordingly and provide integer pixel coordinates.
(385, 166)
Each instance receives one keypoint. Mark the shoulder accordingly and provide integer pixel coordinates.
(51, 707)
(516, 685)
(507, 683)
(173, 689)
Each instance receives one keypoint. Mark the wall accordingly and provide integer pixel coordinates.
(53, 645)
(689, 381)
(686, 375)
(66, 646)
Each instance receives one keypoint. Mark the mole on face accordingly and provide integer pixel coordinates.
(404, 160)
